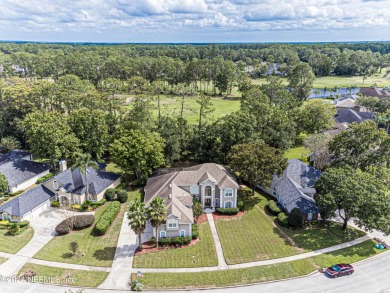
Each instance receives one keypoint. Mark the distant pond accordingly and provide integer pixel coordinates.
(328, 93)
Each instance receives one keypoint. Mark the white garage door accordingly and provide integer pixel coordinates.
(38, 210)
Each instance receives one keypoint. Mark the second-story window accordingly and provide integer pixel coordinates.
(229, 192)
(172, 224)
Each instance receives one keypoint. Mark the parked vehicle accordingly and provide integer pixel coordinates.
(339, 270)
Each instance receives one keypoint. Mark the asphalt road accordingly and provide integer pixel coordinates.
(371, 276)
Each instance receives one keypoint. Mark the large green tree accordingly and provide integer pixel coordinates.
(257, 162)
(316, 116)
(3, 184)
(300, 80)
(355, 194)
(137, 151)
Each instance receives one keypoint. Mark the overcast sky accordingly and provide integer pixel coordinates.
(194, 20)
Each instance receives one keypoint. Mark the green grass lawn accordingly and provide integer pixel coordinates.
(258, 274)
(253, 236)
(12, 244)
(2, 260)
(66, 276)
(99, 250)
(297, 152)
(321, 236)
(202, 254)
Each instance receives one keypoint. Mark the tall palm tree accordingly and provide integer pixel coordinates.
(137, 216)
(157, 214)
(83, 162)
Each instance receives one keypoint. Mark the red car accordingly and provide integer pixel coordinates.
(339, 270)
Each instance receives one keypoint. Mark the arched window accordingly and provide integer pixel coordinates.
(228, 204)
(163, 234)
(172, 224)
(207, 191)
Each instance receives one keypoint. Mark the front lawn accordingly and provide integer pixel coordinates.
(253, 236)
(12, 244)
(202, 254)
(257, 274)
(66, 276)
(98, 250)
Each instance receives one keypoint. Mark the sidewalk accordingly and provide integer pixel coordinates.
(120, 272)
(221, 259)
(262, 262)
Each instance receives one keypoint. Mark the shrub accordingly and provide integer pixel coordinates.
(15, 193)
(273, 208)
(240, 204)
(15, 229)
(83, 221)
(122, 196)
(76, 206)
(164, 241)
(99, 203)
(73, 246)
(4, 224)
(283, 219)
(138, 287)
(107, 218)
(55, 204)
(109, 194)
(120, 186)
(44, 178)
(24, 224)
(186, 240)
(63, 227)
(295, 218)
(228, 211)
(195, 232)
(152, 240)
(177, 240)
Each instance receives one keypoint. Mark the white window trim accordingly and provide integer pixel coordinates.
(197, 189)
(172, 221)
(163, 232)
(226, 191)
(184, 233)
(224, 205)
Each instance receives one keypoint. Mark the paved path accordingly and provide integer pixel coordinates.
(221, 259)
(261, 262)
(44, 230)
(120, 272)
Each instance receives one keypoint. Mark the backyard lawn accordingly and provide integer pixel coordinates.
(99, 250)
(67, 276)
(258, 274)
(12, 244)
(202, 254)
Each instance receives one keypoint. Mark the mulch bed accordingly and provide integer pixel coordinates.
(201, 219)
(147, 247)
(217, 216)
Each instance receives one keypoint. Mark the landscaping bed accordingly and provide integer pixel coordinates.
(12, 244)
(66, 276)
(202, 254)
(148, 247)
(217, 216)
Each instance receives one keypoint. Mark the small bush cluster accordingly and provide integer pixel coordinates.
(44, 178)
(55, 204)
(14, 229)
(295, 218)
(164, 241)
(195, 232)
(107, 217)
(273, 208)
(76, 207)
(120, 186)
(11, 194)
(94, 205)
(283, 220)
(240, 204)
(109, 195)
(228, 211)
(23, 225)
(78, 222)
(177, 241)
(122, 196)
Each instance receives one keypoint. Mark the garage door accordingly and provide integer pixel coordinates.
(38, 210)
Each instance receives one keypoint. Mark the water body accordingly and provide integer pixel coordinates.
(327, 94)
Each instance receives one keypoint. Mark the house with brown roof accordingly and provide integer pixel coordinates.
(375, 92)
(211, 184)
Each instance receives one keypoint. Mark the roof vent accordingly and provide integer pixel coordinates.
(170, 186)
(170, 196)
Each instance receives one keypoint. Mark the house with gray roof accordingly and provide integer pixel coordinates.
(211, 184)
(295, 189)
(68, 187)
(349, 116)
(20, 170)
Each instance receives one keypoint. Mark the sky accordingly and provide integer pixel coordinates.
(194, 21)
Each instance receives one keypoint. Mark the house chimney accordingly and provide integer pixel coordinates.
(63, 166)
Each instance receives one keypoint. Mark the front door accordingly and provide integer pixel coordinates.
(207, 202)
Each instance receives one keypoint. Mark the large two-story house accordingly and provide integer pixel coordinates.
(211, 184)
(68, 187)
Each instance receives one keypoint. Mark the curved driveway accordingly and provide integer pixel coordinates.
(371, 276)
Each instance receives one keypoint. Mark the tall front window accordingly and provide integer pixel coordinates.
(207, 191)
(172, 224)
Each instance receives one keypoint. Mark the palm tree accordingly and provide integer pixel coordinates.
(156, 214)
(83, 162)
(137, 216)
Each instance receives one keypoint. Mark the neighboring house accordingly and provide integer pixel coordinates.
(211, 184)
(348, 103)
(351, 116)
(20, 170)
(337, 128)
(68, 187)
(375, 92)
(295, 189)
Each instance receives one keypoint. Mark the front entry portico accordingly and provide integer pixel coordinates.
(207, 202)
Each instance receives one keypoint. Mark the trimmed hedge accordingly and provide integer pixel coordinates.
(83, 221)
(164, 241)
(109, 195)
(76, 206)
(63, 227)
(98, 204)
(186, 240)
(228, 211)
(177, 240)
(24, 224)
(273, 208)
(195, 232)
(44, 178)
(5, 224)
(122, 196)
(152, 240)
(107, 217)
(283, 219)
(55, 204)
(11, 194)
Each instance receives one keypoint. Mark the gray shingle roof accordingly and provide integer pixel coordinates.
(351, 116)
(26, 202)
(18, 170)
(296, 186)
